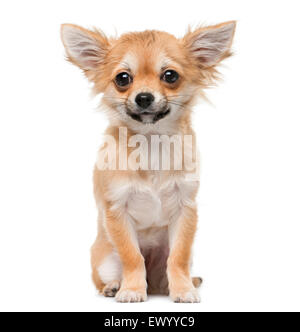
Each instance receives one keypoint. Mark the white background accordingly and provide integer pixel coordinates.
(247, 247)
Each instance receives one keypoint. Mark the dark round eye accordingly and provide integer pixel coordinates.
(170, 76)
(123, 79)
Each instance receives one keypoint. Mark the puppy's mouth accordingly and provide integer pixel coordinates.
(148, 117)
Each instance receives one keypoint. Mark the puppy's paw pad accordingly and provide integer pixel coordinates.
(191, 296)
(128, 295)
(111, 289)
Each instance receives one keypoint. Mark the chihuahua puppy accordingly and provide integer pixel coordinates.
(147, 216)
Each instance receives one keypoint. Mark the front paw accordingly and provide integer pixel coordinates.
(190, 296)
(129, 295)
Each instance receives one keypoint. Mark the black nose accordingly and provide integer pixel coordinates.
(144, 100)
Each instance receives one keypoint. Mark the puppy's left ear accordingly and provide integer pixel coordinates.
(209, 45)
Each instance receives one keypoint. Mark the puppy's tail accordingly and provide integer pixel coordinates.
(197, 281)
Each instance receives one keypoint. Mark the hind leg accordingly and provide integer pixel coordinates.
(111, 289)
(106, 266)
(107, 271)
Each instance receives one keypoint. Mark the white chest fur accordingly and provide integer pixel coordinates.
(154, 202)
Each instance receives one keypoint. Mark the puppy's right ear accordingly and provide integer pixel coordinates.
(86, 49)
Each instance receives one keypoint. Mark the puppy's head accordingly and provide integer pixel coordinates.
(149, 77)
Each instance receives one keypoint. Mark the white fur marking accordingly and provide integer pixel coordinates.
(156, 203)
(129, 63)
(111, 268)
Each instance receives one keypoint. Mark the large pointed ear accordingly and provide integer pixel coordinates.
(86, 49)
(208, 46)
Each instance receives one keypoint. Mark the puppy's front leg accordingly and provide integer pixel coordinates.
(181, 234)
(134, 286)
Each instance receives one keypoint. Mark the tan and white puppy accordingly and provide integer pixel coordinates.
(147, 217)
